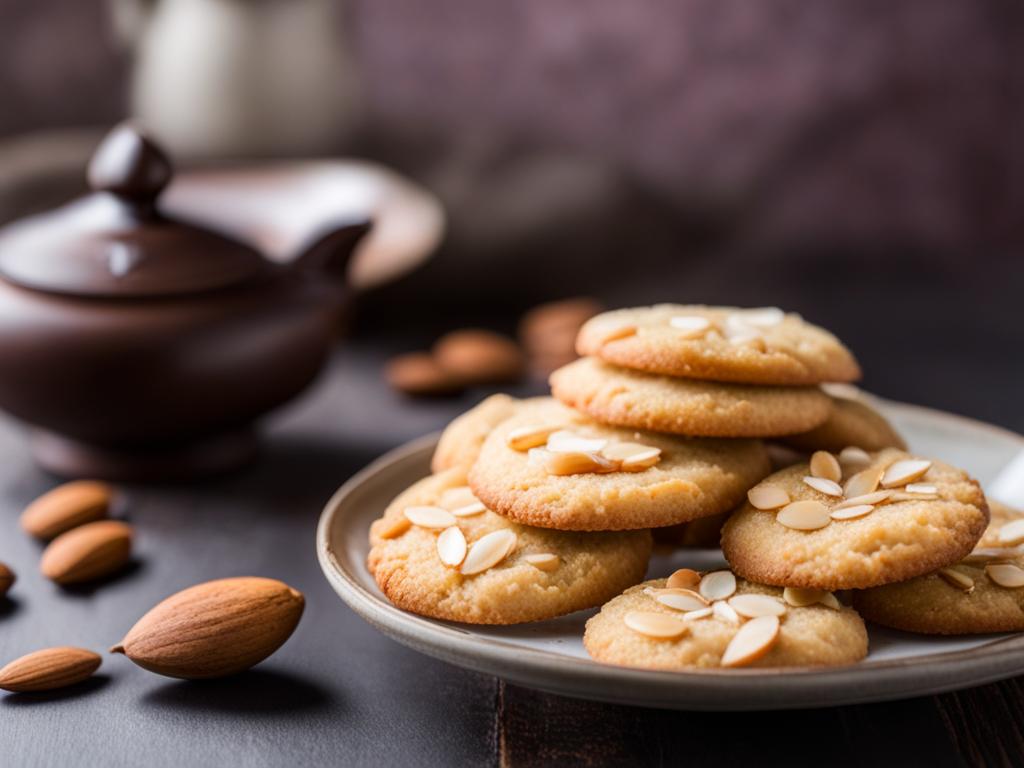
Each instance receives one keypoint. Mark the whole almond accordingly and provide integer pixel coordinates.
(214, 629)
(418, 373)
(475, 356)
(88, 552)
(48, 669)
(7, 579)
(65, 507)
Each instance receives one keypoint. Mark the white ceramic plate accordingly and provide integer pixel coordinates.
(550, 656)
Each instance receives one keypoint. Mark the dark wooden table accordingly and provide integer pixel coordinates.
(339, 693)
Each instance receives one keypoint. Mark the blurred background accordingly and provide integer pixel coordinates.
(858, 161)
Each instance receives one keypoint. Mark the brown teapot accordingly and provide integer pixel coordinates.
(135, 346)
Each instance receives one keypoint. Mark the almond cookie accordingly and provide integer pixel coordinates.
(864, 521)
(983, 593)
(852, 422)
(721, 621)
(438, 552)
(460, 442)
(553, 467)
(638, 400)
(751, 346)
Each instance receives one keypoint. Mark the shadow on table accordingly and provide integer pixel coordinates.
(256, 692)
(8, 607)
(85, 688)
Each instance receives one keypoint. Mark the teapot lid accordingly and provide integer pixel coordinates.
(115, 242)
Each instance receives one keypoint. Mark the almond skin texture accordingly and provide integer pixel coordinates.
(65, 507)
(214, 629)
(88, 552)
(48, 669)
(7, 579)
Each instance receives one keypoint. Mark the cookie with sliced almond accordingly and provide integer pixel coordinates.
(852, 421)
(438, 551)
(694, 620)
(855, 520)
(982, 593)
(762, 345)
(554, 467)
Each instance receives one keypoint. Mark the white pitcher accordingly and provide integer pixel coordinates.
(238, 78)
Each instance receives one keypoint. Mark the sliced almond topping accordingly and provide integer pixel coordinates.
(700, 613)
(690, 326)
(489, 550)
(852, 512)
(722, 610)
(903, 472)
(753, 606)
(451, 546)
(545, 561)
(565, 441)
(831, 601)
(868, 498)
(574, 463)
(825, 465)
(717, 585)
(821, 485)
(804, 515)
(925, 488)
(633, 456)
(956, 579)
(763, 317)
(396, 528)
(470, 509)
(616, 332)
(531, 436)
(652, 624)
(767, 496)
(853, 456)
(430, 517)
(753, 640)
(864, 482)
(1012, 532)
(800, 598)
(684, 578)
(680, 599)
(1006, 575)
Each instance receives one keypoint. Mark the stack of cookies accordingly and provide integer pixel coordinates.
(543, 507)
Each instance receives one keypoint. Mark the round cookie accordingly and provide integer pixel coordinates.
(851, 423)
(460, 441)
(694, 478)
(906, 535)
(587, 568)
(961, 600)
(627, 398)
(810, 635)
(752, 346)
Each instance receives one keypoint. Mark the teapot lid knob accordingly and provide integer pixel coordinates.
(129, 165)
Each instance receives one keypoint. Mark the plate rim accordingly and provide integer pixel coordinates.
(739, 689)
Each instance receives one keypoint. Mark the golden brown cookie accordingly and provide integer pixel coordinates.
(852, 422)
(654, 627)
(752, 346)
(638, 400)
(461, 562)
(461, 440)
(983, 593)
(578, 484)
(890, 519)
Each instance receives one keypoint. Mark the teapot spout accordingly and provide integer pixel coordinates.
(330, 252)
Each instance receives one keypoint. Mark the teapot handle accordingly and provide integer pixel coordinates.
(330, 252)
